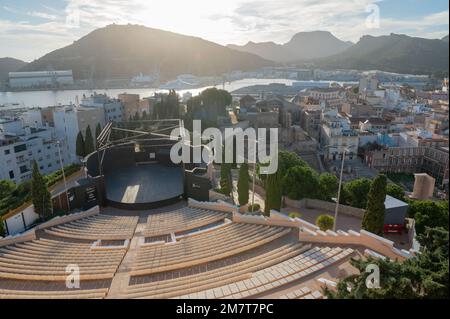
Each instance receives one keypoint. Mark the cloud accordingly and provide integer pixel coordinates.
(42, 15)
(231, 21)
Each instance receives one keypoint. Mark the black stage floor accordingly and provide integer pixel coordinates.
(144, 185)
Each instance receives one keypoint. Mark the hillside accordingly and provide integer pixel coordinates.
(392, 53)
(302, 46)
(9, 65)
(127, 50)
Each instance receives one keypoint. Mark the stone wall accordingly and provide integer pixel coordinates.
(68, 218)
(324, 205)
(27, 236)
(220, 206)
(215, 196)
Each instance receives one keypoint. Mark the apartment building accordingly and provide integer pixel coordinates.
(19, 146)
(113, 108)
(70, 120)
(337, 137)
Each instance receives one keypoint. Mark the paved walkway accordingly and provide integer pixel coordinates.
(122, 275)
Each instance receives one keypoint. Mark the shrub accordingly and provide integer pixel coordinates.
(254, 208)
(295, 215)
(325, 222)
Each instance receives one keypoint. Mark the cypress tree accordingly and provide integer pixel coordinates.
(243, 184)
(88, 141)
(98, 130)
(80, 145)
(273, 193)
(373, 220)
(2, 228)
(40, 194)
(225, 182)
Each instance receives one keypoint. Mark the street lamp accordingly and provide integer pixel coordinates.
(63, 174)
(336, 209)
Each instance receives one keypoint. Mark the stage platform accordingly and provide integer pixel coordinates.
(144, 186)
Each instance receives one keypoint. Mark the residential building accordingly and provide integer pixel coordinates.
(337, 137)
(70, 120)
(20, 145)
(113, 108)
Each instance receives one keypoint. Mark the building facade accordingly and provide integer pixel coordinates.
(40, 79)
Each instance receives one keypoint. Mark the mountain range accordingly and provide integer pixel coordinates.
(123, 51)
(394, 53)
(127, 50)
(302, 46)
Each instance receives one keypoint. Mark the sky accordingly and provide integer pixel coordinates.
(31, 28)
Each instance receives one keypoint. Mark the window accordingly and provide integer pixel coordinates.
(23, 169)
(7, 152)
(20, 148)
(11, 174)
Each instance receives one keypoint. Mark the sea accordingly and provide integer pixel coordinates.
(30, 99)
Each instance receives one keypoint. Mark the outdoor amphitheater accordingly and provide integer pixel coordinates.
(149, 238)
(185, 250)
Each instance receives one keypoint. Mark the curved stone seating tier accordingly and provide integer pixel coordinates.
(46, 259)
(263, 281)
(303, 293)
(181, 220)
(105, 227)
(233, 272)
(59, 294)
(221, 243)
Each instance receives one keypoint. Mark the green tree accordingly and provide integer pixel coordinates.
(373, 219)
(325, 222)
(80, 147)
(428, 213)
(98, 130)
(328, 186)
(300, 182)
(355, 192)
(40, 194)
(243, 184)
(88, 141)
(422, 276)
(273, 193)
(395, 191)
(2, 228)
(209, 104)
(6, 188)
(168, 107)
(286, 160)
(225, 182)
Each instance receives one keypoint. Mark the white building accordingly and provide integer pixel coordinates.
(19, 147)
(70, 120)
(336, 136)
(325, 94)
(368, 84)
(113, 108)
(40, 79)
